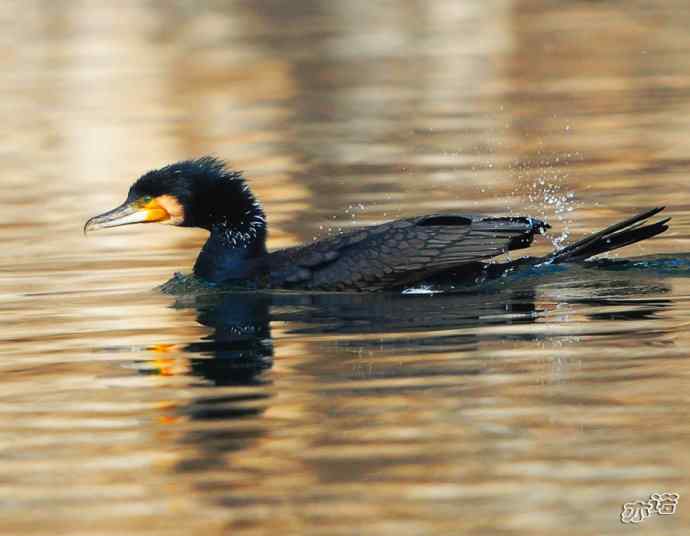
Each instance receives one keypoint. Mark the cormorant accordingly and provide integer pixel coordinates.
(205, 193)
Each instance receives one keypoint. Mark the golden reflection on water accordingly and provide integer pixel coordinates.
(538, 406)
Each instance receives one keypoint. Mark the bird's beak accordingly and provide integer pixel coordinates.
(128, 214)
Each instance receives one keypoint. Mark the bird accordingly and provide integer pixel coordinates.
(205, 193)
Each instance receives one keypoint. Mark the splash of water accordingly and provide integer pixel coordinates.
(354, 210)
(422, 289)
(549, 197)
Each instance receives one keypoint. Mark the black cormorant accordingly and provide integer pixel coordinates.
(205, 193)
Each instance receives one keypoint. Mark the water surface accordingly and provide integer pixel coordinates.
(537, 405)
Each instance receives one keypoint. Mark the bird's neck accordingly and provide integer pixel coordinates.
(238, 237)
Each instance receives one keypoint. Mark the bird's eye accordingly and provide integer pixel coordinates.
(147, 199)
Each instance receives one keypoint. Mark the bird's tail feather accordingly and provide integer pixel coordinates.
(616, 236)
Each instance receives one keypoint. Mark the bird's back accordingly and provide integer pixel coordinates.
(398, 253)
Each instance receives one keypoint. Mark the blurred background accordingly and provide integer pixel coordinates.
(352, 417)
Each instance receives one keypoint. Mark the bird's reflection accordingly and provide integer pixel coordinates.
(233, 406)
(238, 350)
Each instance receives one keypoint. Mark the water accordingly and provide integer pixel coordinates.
(539, 403)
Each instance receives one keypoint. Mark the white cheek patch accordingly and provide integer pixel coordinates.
(174, 209)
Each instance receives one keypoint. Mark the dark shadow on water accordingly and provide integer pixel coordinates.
(237, 349)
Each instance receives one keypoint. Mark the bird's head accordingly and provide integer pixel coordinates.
(193, 193)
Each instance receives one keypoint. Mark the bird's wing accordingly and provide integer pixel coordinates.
(400, 252)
